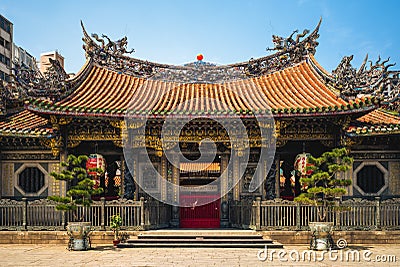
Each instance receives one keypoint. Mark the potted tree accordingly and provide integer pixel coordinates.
(322, 185)
(115, 225)
(81, 187)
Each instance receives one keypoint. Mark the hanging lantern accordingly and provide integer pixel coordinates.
(95, 163)
(301, 164)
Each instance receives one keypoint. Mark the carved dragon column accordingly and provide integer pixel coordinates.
(130, 188)
(277, 176)
(270, 180)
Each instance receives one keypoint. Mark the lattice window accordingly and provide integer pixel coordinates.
(370, 179)
(31, 180)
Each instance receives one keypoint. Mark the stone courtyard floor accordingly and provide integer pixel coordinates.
(106, 255)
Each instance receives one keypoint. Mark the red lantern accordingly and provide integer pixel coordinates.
(200, 57)
(301, 163)
(95, 161)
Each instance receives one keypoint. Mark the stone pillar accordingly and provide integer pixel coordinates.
(277, 176)
(122, 190)
(135, 176)
(175, 178)
(164, 175)
(175, 191)
(236, 171)
(63, 184)
(224, 185)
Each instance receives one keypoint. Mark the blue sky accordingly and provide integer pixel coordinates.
(226, 31)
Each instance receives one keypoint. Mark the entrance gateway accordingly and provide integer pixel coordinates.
(205, 216)
(196, 177)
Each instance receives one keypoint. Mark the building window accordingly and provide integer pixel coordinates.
(5, 25)
(5, 43)
(4, 76)
(7, 61)
(370, 179)
(31, 180)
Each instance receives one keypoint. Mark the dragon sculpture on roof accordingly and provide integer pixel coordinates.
(26, 82)
(113, 55)
(373, 79)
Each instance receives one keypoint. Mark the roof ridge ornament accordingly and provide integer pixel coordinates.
(375, 80)
(290, 51)
(26, 82)
(104, 45)
(112, 55)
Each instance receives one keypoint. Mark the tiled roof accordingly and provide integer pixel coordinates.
(377, 122)
(25, 124)
(294, 91)
(200, 166)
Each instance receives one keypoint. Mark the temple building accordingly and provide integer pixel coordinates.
(156, 126)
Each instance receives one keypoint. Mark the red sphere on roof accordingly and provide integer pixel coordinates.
(200, 57)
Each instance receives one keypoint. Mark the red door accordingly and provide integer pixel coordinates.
(205, 216)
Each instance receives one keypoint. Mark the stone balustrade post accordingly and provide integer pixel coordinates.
(142, 217)
(257, 213)
(103, 213)
(378, 213)
(298, 217)
(337, 212)
(24, 213)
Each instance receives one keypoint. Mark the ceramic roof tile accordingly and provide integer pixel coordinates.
(26, 124)
(296, 89)
(377, 122)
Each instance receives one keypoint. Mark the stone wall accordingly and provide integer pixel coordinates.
(54, 237)
(394, 178)
(284, 237)
(352, 237)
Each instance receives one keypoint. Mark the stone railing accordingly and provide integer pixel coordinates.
(353, 214)
(41, 214)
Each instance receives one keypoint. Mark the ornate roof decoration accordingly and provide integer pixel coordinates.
(112, 55)
(200, 72)
(390, 91)
(27, 82)
(290, 51)
(374, 79)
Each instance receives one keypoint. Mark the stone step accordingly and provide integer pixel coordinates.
(193, 237)
(201, 245)
(190, 238)
(199, 232)
(200, 240)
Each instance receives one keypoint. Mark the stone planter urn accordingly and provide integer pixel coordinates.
(79, 235)
(321, 238)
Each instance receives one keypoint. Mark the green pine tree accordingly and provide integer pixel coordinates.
(80, 183)
(323, 184)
